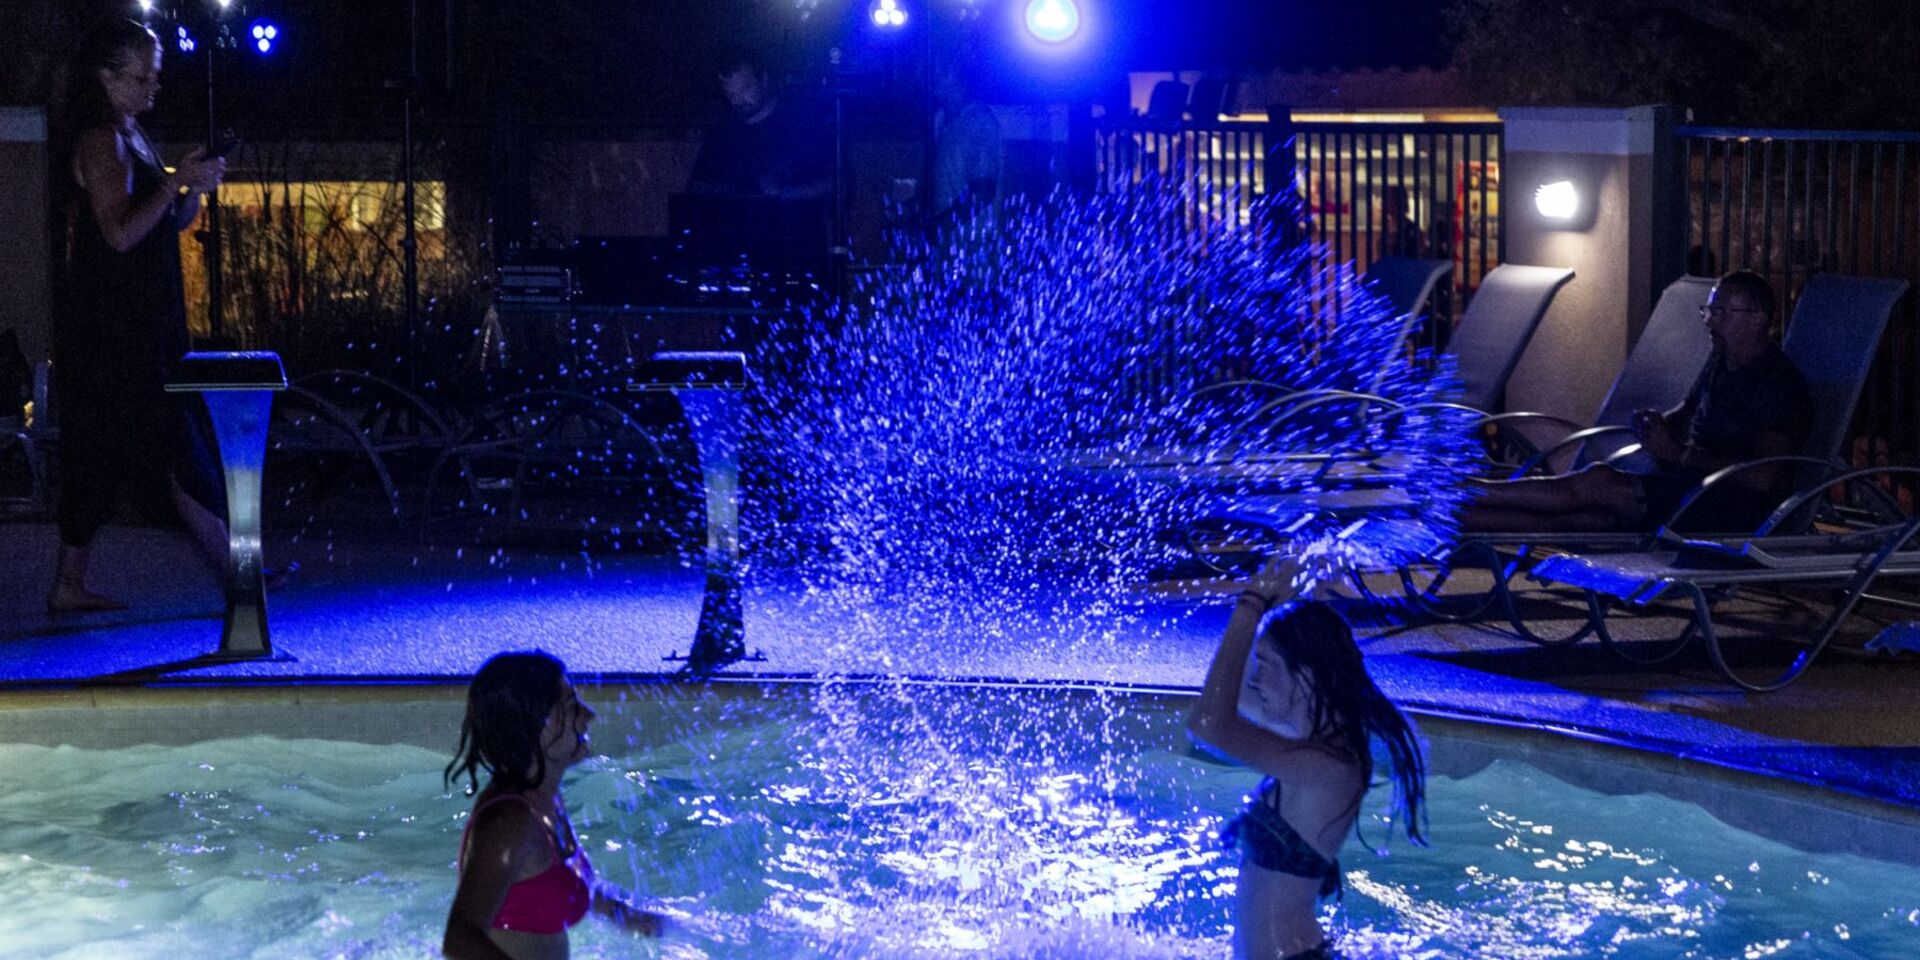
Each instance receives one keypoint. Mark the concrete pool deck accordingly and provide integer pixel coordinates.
(397, 611)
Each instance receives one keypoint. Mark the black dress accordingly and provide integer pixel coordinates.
(122, 319)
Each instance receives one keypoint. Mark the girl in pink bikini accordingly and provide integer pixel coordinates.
(524, 878)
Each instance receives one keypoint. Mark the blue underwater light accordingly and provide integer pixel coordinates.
(1053, 21)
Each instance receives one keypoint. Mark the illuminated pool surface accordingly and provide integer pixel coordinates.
(885, 822)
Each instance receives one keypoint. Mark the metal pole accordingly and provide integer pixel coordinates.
(215, 277)
(409, 244)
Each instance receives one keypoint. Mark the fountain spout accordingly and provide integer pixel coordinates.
(709, 387)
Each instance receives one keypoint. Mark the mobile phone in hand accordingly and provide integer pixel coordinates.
(223, 144)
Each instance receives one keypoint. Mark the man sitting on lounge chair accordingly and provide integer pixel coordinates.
(1749, 402)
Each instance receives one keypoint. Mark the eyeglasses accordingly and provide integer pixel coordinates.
(1714, 310)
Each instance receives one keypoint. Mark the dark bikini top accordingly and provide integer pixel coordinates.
(1271, 843)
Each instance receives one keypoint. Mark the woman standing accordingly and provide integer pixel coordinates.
(122, 316)
(1288, 694)
(524, 879)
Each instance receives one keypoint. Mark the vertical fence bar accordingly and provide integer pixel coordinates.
(1363, 254)
(1811, 235)
(1833, 225)
(1787, 210)
(1486, 197)
(1746, 210)
(1705, 208)
(1727, 200)
(1873, 209)
(1455, 203)
(1350, 153)
(1500, 226)
(1850, 236)
(1766, 208)
(1899, 203)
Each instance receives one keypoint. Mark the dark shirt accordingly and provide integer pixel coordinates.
(790, 148)
(1730, 409)
(123, 315)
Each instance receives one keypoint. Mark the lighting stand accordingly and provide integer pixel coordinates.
(409, 243)
(216, 275)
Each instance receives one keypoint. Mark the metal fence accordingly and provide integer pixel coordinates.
(1791, 203)
(1367, 189)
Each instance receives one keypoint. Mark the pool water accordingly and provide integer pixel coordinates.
(904, 822)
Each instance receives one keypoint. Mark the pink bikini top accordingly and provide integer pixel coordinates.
(549, 901)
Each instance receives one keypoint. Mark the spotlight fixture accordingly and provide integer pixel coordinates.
(265, 34)
(1053, 21)
(184, 40)
(887, 14)
(1557, 200)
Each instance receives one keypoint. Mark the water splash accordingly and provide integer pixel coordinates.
(986, 425)
(960, 467)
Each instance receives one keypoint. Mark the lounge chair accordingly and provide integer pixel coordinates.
(1407, 284)
(1838, 322)
(1485, 347)
(1657, 374)
(1805, 543)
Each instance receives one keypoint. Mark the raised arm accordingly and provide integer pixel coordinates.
(1218, 707)
(1216, 719)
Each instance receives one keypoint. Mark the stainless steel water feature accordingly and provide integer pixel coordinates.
(709, 387)
(238, 389)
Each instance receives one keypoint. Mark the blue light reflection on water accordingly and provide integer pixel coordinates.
(1090, 838)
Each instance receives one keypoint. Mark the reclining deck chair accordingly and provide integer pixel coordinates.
(1487, 345)
(1407, 285)
(1836, 327)
(1657, 374)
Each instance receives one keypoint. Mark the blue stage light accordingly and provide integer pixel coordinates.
(1053, 21)
(266, 35)
(887, 14)
(184, 39)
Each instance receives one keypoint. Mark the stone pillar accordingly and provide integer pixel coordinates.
(25, 252)
(1624, 241)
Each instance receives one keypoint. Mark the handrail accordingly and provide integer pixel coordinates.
(1756, 133)
(1666, 532)
(1132, 124)
(1806, 494)
(1573, 439)
(1317, 397)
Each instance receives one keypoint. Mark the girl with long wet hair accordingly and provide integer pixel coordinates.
(524, 878)
(120, 313)
(1288, 694)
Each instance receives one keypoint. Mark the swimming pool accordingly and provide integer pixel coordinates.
(953, 826)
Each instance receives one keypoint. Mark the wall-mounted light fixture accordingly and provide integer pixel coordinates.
(1557, 200)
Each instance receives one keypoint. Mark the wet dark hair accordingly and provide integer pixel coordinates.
(1347, 706)
(507, 707)
(1751, 285)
